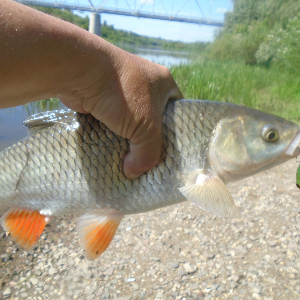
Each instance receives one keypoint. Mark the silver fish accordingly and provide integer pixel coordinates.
(72, 164)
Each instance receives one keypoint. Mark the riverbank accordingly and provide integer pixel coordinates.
(177, 252)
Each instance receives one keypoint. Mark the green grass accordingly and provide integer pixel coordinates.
(271, 90)
(42, 105)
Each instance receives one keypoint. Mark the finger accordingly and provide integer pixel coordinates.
(175, 93)
(146, 155)
(143, 156)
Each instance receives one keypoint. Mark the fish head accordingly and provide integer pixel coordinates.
(249, 141)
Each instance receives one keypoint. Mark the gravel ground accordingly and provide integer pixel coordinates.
(178, 252)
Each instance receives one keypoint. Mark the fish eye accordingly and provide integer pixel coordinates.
(270, 134)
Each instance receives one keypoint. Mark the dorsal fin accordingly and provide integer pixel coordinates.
(46, 119)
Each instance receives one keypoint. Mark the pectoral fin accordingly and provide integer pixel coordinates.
(43, 120)
(24, 226)
(211, 194)
(96, 231)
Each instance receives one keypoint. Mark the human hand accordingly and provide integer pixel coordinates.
(128, 94)
(43, 57)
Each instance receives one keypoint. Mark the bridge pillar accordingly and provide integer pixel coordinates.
(95, 23)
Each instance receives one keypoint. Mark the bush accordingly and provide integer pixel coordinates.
(282, 46)
(240, 45)
(261, 31)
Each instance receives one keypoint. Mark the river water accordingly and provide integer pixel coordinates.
(164, 57)
(11, 129)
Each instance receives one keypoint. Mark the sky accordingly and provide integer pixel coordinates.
(176, 31)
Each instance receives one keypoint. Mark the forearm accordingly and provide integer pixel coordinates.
(42, 57)
(40, 54)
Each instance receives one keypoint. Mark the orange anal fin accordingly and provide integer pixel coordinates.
(96, 231)
(25, 226)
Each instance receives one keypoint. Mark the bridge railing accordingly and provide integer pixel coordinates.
(124, 12)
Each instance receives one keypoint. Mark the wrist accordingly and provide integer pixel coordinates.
(94, 76)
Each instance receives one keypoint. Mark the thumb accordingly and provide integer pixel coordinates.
(143, 156)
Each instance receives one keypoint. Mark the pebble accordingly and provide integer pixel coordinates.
(189, 268)
(214, 286)
(235, 278)
(7, 292)
(174, 265)
(109, 271)
(24, 295)
(34, 280)
(52, 271)
(210, 256)
(272, 243)
(5, 256)
(257, 289)
(159, 294)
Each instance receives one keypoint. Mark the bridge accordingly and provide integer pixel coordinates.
(176, 11)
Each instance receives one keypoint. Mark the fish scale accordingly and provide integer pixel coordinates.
(72, 164)
(64, 162)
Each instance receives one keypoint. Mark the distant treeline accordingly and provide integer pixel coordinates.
(115, 36)
(261, 32)
(254, 60)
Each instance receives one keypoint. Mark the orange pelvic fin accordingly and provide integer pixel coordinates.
(96, 231)
(25, 226)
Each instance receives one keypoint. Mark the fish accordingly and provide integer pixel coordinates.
(298, 177)
(71, 163)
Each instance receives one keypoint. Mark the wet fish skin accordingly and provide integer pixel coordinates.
(75, 162)
(72, 163)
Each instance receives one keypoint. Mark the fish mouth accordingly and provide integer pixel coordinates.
(293, 149)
